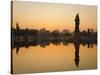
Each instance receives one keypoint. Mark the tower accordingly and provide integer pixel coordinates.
(77, 23)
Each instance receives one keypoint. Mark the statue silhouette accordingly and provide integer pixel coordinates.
(77, 23)
(76, 39)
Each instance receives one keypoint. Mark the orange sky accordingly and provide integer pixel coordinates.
(37, 15)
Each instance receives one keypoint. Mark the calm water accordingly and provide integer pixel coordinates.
(54, 58)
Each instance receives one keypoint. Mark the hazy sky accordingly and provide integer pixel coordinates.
(34, 15)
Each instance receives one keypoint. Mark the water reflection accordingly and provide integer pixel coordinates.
(44, 43)
(44, 38)
(77, 45)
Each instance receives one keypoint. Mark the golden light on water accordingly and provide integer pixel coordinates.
(53, 58)
(33, 52)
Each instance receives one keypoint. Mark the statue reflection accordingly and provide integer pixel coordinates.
(46, 41)
(77, 45)
(76, 39)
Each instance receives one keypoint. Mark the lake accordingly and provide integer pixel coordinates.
(51, 58)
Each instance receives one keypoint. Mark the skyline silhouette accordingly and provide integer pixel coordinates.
(26, 38)
(52, 37)
(52, 16)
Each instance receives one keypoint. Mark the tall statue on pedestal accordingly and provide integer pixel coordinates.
(77, 40)
(77, 23)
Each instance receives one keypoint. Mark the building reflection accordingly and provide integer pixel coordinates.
(43, 44)
(43, 38)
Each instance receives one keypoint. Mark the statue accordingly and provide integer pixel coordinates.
(76, 39)
(77, 23)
